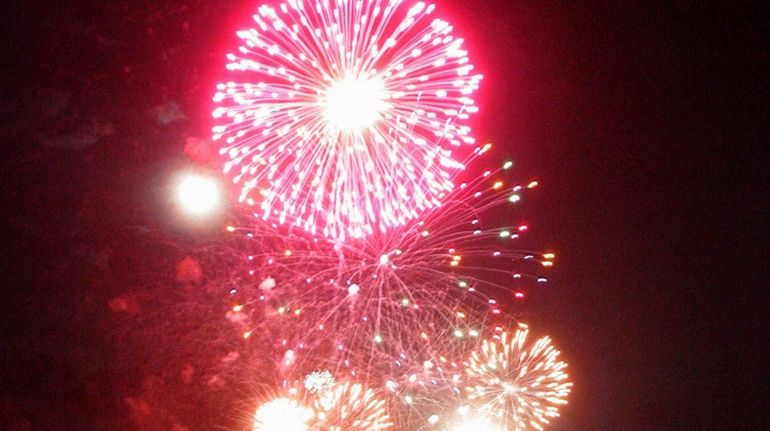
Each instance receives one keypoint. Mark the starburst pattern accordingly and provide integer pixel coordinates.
(342, 115)
(351, 407)
(519, 385)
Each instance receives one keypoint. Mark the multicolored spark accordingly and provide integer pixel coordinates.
(343, 116)
(400, 311)
(520, 386)
(427, 278)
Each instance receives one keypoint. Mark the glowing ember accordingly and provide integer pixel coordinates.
(198, 195)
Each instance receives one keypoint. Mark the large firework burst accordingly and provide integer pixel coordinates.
(343, 114)
(519, 385)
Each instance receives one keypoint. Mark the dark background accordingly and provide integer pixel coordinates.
(641, 119)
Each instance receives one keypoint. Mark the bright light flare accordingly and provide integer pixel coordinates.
(353, 105)
(198, 195)
(282, 414)
(476, 424)
(336, 407)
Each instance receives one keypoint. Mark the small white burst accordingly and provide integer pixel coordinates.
(267, 284)
(319, 382)
(289, 357)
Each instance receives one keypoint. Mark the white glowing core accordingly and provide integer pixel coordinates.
(198, 195)
(354, 104)
(475, 424)
(282, 414)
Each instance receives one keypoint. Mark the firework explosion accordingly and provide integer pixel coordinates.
(422, 279)
(345, 114)
(351, 407)
(341, 407)
(344, 123)
(519, 385)
(399, 311)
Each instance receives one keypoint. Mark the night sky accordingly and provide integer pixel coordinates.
(641, 120)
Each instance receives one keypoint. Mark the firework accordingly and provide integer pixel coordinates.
(282, 414)
(319, 382)
(341, 407)
(475, 424)
(519, 385)
(399, 310)
(345, 114)
(351, 407)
